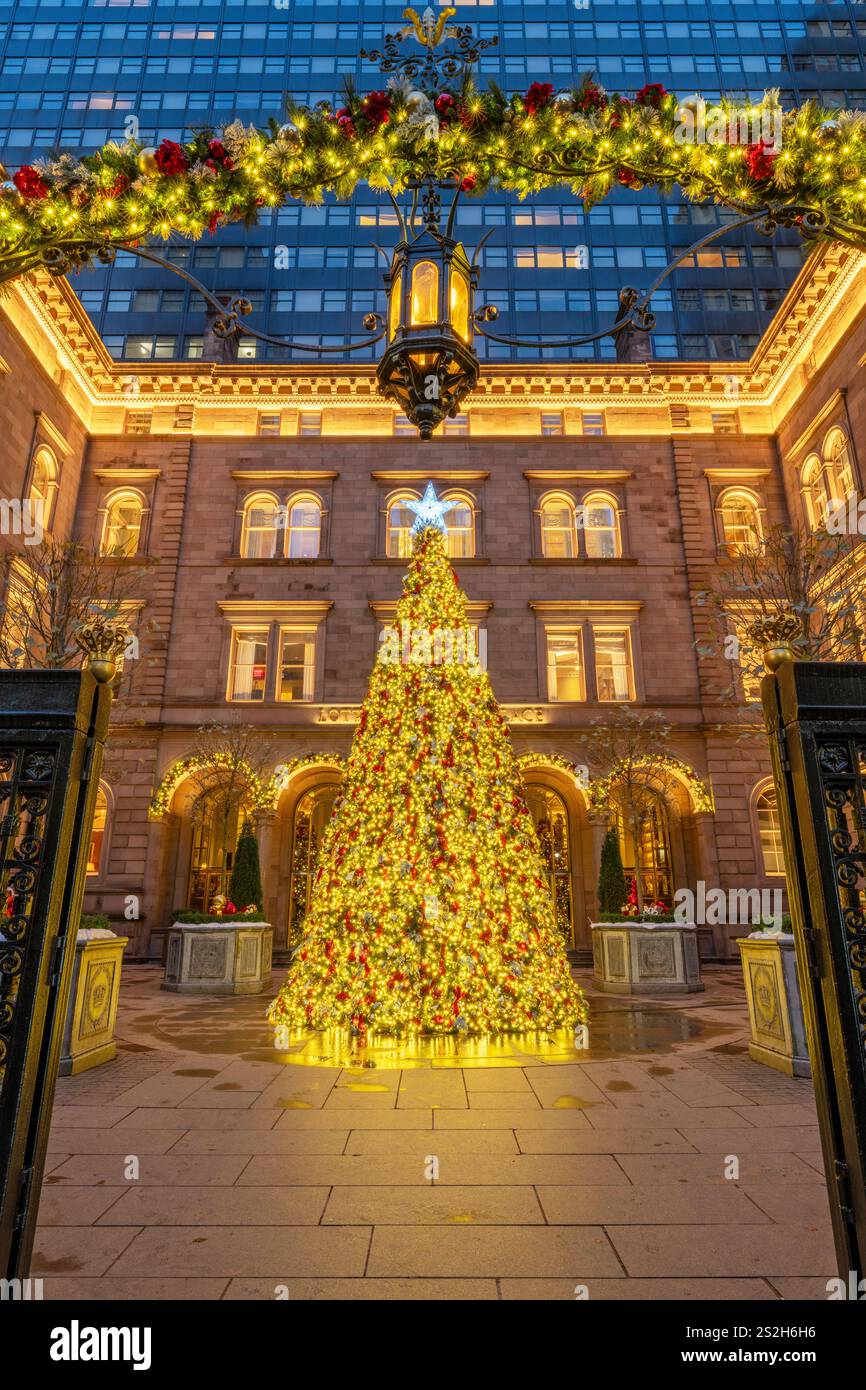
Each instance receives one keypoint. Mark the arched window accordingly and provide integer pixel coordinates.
(770, 831)
(97, 835)
(815, 493)
(400, 523)
(43, 485)
(305, 528)
(312, 814)
(741, 523)
(600, 528)
(837, 457)
(121, 529)
(216, 825)
(550, 817)
(261, 533)
(558, 532)
(460, 526)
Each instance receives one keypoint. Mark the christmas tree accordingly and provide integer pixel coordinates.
(245, 889)
(612, 886)
(429, 912)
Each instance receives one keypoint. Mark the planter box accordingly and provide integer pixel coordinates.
(775, 1012)
(644, 958)
(218, 957)
(88, 1035)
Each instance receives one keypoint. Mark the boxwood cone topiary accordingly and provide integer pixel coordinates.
(246, 881)
(611, 878)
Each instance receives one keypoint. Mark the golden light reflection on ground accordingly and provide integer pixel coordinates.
(338, 1049)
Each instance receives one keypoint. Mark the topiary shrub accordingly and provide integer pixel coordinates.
(246, 880)
(612, 889)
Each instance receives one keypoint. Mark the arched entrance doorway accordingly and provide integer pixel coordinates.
(646, 850)
(550, 817)
(216, 825)
(312, 813)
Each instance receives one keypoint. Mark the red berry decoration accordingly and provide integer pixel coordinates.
(30, 183)
(171, 159)
(760, 159)
(539, 95)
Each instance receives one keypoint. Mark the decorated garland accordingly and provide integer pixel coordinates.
(64, 212)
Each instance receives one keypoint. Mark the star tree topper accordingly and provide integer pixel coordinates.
(430, 511)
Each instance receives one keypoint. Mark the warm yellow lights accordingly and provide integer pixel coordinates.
(425, 294)
(459, 303)
(430, 912)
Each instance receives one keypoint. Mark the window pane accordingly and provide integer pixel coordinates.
(564, 666)
(612, 664)
(248, 676)
(297, 665)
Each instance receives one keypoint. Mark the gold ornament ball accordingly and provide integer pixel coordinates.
(416, 99)
(147, 162)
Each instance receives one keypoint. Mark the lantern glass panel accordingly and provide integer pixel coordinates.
(425, 293)
(460, 304)
(396, 303)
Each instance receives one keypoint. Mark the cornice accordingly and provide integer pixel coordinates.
(826, 281)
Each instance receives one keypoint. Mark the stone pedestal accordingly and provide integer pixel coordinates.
(639, 958)
(775, 1012)
(218, 957)
(88, 1036)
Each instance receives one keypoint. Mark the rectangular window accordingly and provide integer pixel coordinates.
(403, 426)
(269, 424)
(137, 422)
(551, 422)
(248, 668)
(297, 676)
(310, 422)
(565, 665)
(592, 423)
(613, 673)
(458, 424)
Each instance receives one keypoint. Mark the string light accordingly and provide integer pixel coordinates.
(430, 912)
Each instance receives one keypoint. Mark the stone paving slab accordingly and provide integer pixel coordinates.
(263, 1178)
(698, 1250)
(485, 1251)
(218, 1206)
(258, 1251)
(429, 1205)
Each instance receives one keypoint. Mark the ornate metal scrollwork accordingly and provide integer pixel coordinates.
(430, 69)
(844, 795)
(26, 784)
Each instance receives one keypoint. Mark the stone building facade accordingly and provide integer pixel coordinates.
(188, 464)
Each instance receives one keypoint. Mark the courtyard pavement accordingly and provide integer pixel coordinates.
(202, 1164)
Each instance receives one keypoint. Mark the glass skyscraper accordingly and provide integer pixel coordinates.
(75, 74)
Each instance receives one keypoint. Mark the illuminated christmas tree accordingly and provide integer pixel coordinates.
(430, 912)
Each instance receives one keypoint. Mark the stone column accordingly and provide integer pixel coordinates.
(161, 872)
(599, 821)
(708, 869)
(264, 824)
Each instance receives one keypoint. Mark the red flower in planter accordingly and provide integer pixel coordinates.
(653, 94)
(171, 159)
(30, 183)
(229, 910)
(760, 159)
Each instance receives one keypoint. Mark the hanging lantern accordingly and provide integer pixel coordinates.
(429, 366)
